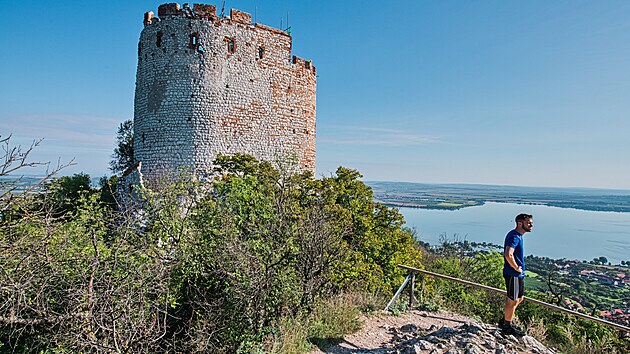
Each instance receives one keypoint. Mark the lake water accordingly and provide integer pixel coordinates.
(557, 232)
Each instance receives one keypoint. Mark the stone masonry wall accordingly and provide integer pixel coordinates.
(207, 85)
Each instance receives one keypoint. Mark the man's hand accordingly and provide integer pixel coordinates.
(519, 270)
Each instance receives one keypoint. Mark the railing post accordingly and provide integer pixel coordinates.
(412, 289)
(391, 302)
(423, 291)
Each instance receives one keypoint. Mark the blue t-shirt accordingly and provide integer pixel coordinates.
(515, 240)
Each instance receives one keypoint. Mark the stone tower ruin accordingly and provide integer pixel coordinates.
(209, 84)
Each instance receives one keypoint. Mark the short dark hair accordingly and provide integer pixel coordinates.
(522, 217)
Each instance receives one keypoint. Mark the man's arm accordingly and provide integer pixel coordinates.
(509, 257)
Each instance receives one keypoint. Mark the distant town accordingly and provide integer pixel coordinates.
(591, 287)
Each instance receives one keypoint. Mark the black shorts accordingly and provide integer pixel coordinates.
(514, 286)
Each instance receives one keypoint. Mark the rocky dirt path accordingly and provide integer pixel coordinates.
(431, 332)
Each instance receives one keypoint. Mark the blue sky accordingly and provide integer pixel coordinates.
(532, 93)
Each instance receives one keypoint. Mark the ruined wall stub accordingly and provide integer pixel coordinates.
(207, 85)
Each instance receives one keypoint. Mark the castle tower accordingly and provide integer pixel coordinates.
(209, 84)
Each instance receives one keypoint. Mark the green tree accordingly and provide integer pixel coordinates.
(63, 194)
(123, 156)
(107, 190)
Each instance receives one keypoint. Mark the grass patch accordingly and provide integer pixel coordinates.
(326, 325)
(449, 205)
(535, 284)
(531, 274)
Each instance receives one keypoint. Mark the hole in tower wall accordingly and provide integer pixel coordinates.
(195, 43)
(194, 40)
(158, 39)
(261, 52)
(231, 44)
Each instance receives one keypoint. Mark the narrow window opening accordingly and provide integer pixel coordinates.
(158, 39)
(194, 40)
(261, 52)
(231, 46)
(143, 137)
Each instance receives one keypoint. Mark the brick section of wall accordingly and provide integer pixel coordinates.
(171, 9)
(205, 11)
(240, 16)
(195, 99)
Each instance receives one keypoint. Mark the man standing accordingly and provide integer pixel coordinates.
(514, 271)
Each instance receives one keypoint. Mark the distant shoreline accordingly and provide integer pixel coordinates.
(427, 206)
(455, 197)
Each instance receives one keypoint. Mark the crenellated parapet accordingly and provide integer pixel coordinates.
(198, 11)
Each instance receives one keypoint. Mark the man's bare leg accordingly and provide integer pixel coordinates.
(510, 308)
(508, 316)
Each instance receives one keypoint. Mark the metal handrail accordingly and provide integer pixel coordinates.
(553, 307)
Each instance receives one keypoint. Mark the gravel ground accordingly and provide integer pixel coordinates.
(375, 331)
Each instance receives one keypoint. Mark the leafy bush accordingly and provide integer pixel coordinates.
(199, 267)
